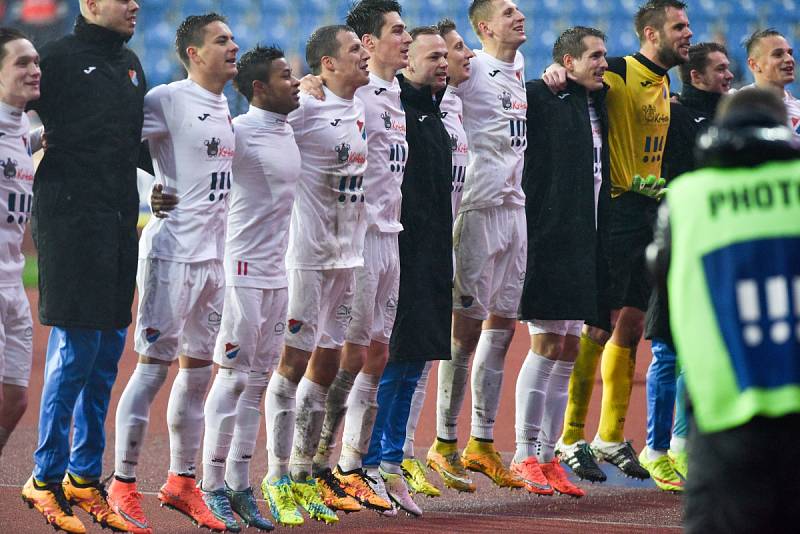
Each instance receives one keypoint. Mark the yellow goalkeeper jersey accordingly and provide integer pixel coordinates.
(638, 115)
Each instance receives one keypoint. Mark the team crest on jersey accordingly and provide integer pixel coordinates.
(295, 325)
(231, 350)
(212, 147)
(9, 168)
(505, 99)
(453, 142)
(151, 334)
(387, 120)
(796, 125)
(134, 77)
(361, 129)
(342, 152)
(214, 318)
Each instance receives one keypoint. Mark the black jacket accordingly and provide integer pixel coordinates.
(688, 120)
(566, 264)
(422, 326)
(85, 199)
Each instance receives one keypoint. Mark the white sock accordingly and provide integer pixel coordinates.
(417, 401)
(677, 444)
(529, 399)
(654, 454)
(452, 383)
(390, 467)
(133, 414)
(4, 434)
(362, 407)
(185, 418)
(279, 415)
(248, 417)
(335, 408)
(555, 404)
(310, 415)
(220, 420)
(487, 380)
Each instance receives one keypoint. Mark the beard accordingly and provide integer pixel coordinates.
(670, 57)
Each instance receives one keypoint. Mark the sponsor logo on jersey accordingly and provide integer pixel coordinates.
(467, 301)
(241, 268)
(231, 350)
(422, 118)
(204, 116)
(9, 168)
(494, 73)
(379, 91)
(89, 70)
(151, 334)
(214, 149)
(699, 119)
(509, 103)
(647, 83)
(134, 77)
(650, 114)
(295, 325)
(335, 122)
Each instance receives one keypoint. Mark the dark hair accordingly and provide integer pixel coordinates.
(571, 42)
(445, 26)
(323, 43)
(423, 30)
(366, 16)
(479, 10)
(751, 42)
(698, 59)
(6, 36)
(191, 32)
(254, 65)
(654, 14)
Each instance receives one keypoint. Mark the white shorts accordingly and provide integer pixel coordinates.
(491, 249)
(320, 305)
(253, 322)
(376, 286)
(16, 336)
(559, 327)
(180, 308)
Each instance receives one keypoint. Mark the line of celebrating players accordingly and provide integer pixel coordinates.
(289, 219)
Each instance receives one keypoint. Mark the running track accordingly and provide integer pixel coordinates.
(619, 505)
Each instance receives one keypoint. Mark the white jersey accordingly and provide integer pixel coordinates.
(16, 190)
(495, 105)
(192, 144)
(328, 218)
(597, 150)
(792, 108)
(453, 119)
(266, 167)
(388, 149)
